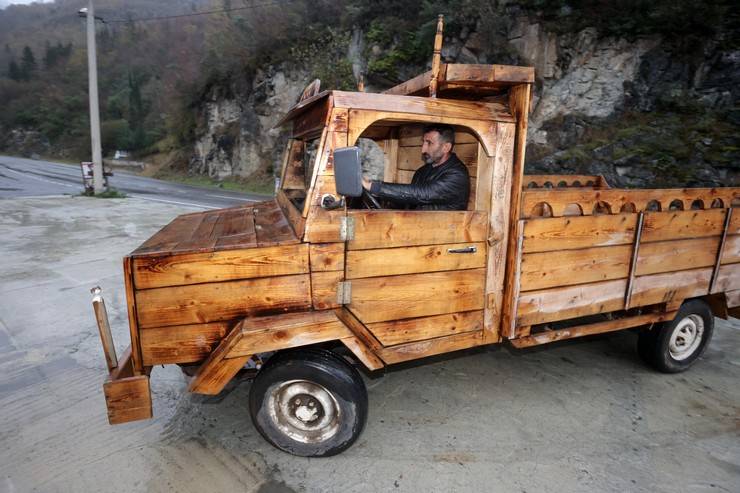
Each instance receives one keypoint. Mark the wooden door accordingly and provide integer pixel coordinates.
(418, 275)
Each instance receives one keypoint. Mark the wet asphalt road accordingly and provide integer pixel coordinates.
(20, 177)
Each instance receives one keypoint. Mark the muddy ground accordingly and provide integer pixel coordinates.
(579, 416)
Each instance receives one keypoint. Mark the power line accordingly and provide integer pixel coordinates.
(195, 14)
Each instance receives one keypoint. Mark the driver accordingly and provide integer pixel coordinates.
(441, 184)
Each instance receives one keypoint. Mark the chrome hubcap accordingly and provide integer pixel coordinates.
(303, 410)
(686, 337)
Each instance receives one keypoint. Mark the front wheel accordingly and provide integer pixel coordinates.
(309, 402)
(674, 346)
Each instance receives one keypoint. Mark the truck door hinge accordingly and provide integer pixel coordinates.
(347, 228)
(344, 292)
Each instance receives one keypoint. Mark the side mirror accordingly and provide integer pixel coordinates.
(348, 171)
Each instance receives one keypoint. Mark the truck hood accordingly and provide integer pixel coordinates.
(246, 226)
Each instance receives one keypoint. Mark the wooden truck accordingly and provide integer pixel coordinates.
(325, 283)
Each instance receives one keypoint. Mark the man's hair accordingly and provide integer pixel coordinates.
(446, 132)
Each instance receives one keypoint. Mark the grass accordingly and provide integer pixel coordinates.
(265, 186)
(111, 193)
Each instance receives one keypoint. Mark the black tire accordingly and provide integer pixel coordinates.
(309, 402)
(673, 346)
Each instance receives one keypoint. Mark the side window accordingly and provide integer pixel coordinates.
(299, 168)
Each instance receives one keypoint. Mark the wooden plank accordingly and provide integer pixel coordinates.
(326, 256)
(323, 226)
(670, 287)
(133, 319)
(731, 253)
(536, 307)
(567, 233)
(170, 235)
(734, 228)
(384, 229)
(272, 227)
(733, 298)
(213, 302)
(240, 232)
(378, 299)
(411, 260)
(363, 353)
(416, 329)
(430, 347)
(390, 152)
(499, 214)
(538, 181)
(409, 158)
(264, 334)
(661, 226)
(193, 268)
(324, 289)
(297, 222)
(181, 343)
(358, 329)
(404, 176)
(591, 329)
(411, 135)
(569, 267)
(728, 278)
(669, 256)
(128, 399)
(720, 250)
(633, 260)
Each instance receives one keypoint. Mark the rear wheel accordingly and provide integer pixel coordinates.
(673, 346)
(309, 402)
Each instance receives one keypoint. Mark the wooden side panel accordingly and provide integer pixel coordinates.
(133, 320)
(733, 298)
(326, 257)
(193, 268)
(378, 299)
(569, 267)
(213, 302)
(536, 307)
(669, 256)
(566, 233)
(363, 353)
(384, 229)
(731, 253)
(323, 226)
(431, 347)
(417, 329)
(324, 289)
(669, 287)
(181, 343)
(661, 226)
(411, 260)
(728, 278)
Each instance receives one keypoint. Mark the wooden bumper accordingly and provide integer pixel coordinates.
(127, 396)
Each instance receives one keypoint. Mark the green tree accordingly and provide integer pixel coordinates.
(14, 71)
(28, 64)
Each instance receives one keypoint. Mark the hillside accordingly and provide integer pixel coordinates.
(644, 92)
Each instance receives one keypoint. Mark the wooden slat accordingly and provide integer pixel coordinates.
(416, 329)
(181, 343)
(669, 256)
(272, 226)
(731, 253)
(728, 278)
(390, 153)
(569, 267)
(358, 329)
(297, 222)
(661, 226)
(431, 347)
(326, 256)
(192, 268)
(219, 368)
(591, 329)
(411, 135)
(363, 353)
(670, 287)
(170, 235)
(733, 298)
(264, 334)
(404, 176)
(379, 229)
(133, 319)
(324, 289)
(409, 158)
(536, 307)
(240, 232)
(734, 227)
(323, 226)
(378, 299)
(566, 233)
(411, 260)
(212, 302)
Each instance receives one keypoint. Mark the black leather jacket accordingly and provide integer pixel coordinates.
(445, 187)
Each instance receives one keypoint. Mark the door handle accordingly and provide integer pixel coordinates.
(470, 249)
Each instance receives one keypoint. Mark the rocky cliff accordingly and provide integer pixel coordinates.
(642, 110)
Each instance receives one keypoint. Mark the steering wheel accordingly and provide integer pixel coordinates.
(369, 201)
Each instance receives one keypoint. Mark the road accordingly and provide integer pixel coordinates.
(20, 177)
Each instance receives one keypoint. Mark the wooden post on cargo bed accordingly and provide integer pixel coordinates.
(101, 316)
(437, 56)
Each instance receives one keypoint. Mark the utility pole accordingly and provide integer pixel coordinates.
(92, 72)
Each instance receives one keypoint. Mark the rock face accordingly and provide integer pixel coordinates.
(643, 112)
(238, 137)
